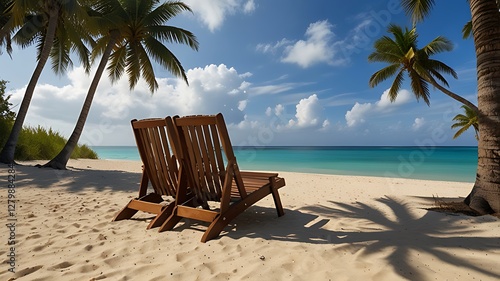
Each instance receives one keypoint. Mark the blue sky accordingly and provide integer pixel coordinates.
(282, 73)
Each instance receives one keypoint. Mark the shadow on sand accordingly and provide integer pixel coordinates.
(76, 180)
(436, 234)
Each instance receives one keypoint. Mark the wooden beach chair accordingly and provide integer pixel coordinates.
(159, 168)
(201, 143)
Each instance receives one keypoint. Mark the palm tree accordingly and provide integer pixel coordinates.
(44, 23)
(465, 121)
(485, 194)
(133, 32)
(5, 22)
(403, 57)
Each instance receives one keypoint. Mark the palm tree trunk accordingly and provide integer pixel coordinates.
(7, 153)
(485, 195)
(454, 96)
(61, 160)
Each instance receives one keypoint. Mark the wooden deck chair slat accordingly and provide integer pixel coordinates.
(152, 156)
(148, 162)
(218, 153)
(193, 152)
(239, 190)
(168, 162)
(156, 155)
(228, 150)
(211, 167)
(211, 176)
(163, 150)
(201, 160)
(147, 148)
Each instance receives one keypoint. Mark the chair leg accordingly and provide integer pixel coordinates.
(161, 217)
(215, 228)
(171, 221)
(277, 201)
(125, 213)
(237, 208)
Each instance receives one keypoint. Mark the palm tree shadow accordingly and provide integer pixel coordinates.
(434, 233)
(372, 231)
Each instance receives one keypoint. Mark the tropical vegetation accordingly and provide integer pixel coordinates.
(404, 57)
(132, 32)
(38, 143)
(6, 115)
(53, 26)
(127, 34)
(466, 121)
(485, 26)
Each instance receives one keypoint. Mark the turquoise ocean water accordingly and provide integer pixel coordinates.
(431, 163)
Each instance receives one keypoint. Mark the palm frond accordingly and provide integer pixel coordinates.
(461, 131)
(419, 86)
(174, 35)
(438, 45)
(396, 86)
(464, 122)
(162, 55)
(60, 56)
(147, 70)
(117, 63)
(417, 9)
(467, 30)
(133, 64)
(383, 74)
(165, 12)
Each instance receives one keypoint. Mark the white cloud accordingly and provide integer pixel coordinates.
(270, 48)
(278, 110)
(356, 115)
(212, 89)
(272, 89)
(242, 104)
(308, 113)
(249, 6)
(325, 124)
(269, 111)
(359, 112)
(404, 96)
(315, 49)
(418, 123)
(214, 12)
(321, 45)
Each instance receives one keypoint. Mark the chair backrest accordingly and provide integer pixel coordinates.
(205, 140)
(160, 164)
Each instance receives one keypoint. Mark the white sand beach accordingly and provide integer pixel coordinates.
(334, 228)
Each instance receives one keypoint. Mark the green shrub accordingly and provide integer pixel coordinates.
(40, 144)
(5, 127)
(6, 115)
(83, 151)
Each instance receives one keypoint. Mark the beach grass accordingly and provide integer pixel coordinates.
(37, 143)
